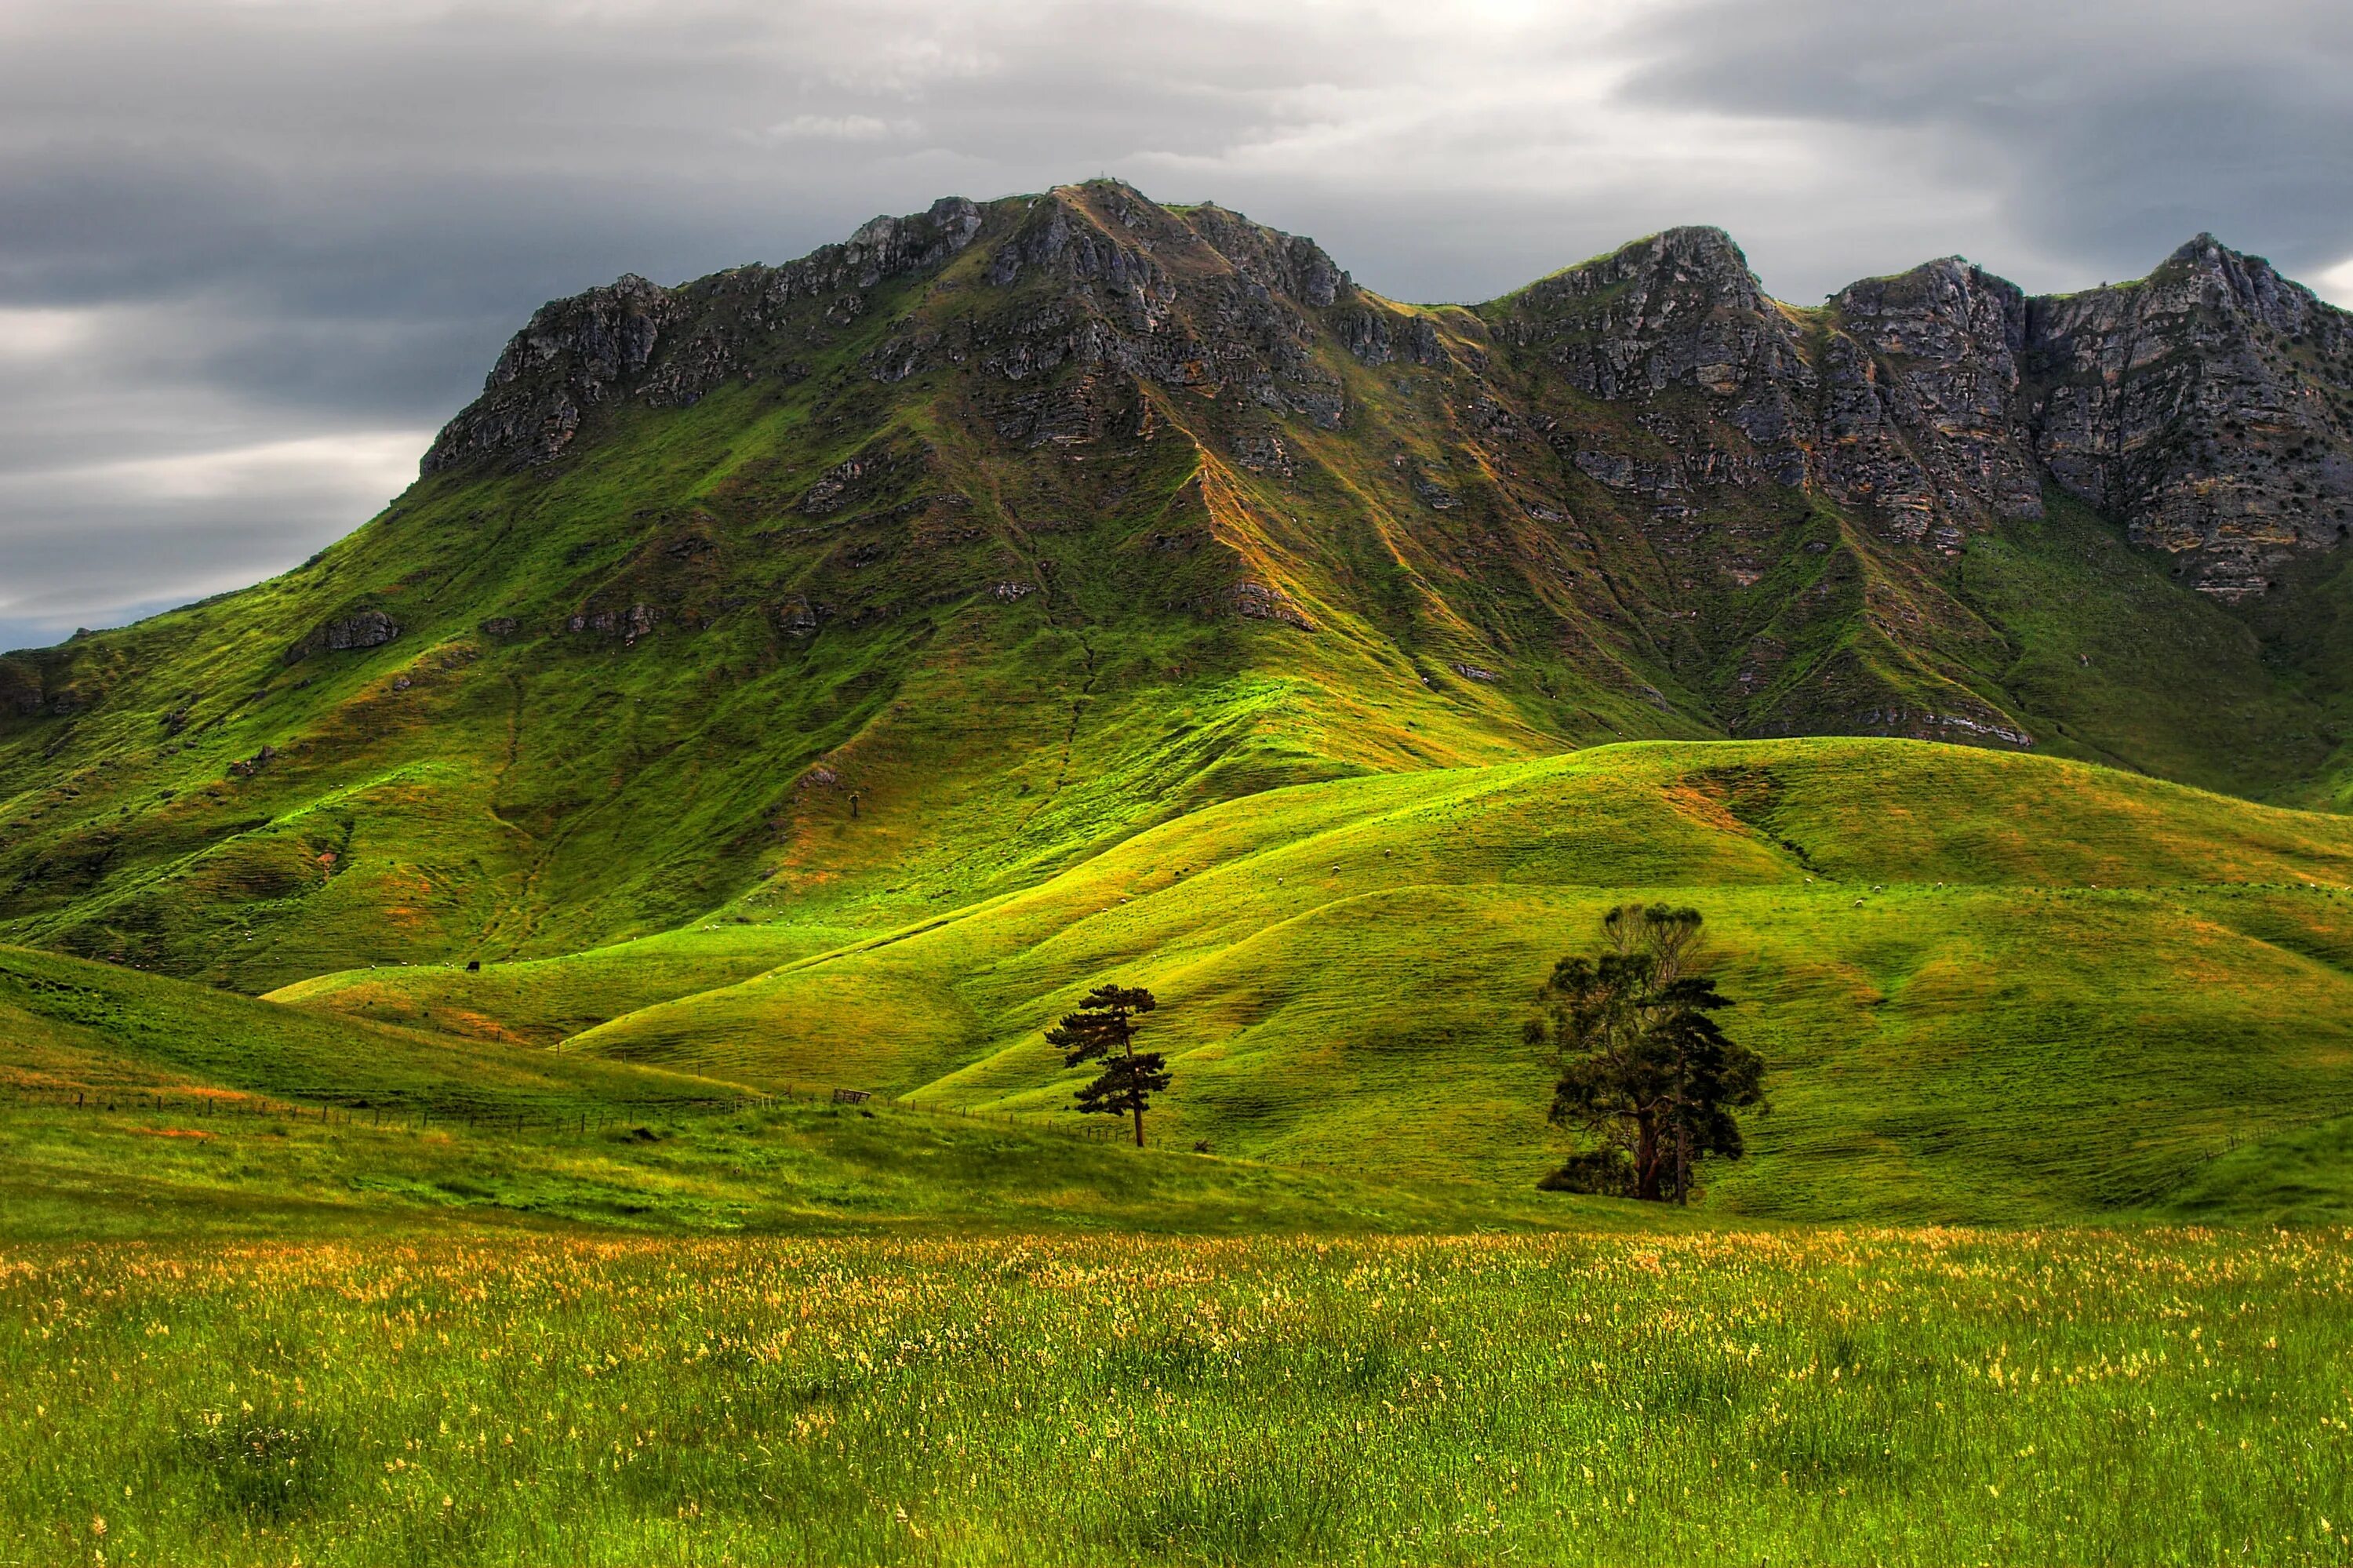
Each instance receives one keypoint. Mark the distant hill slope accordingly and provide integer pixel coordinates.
(69, 1026)
(2007, 988)
(839, 594)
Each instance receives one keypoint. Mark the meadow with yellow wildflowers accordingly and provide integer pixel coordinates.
(1813, 1395)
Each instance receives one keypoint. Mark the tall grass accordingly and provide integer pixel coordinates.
(1844, 1396)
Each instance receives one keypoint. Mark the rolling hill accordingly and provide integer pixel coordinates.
(2006, 988)
(138, 1106)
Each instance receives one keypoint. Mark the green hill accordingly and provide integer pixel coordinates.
(1991, 986)
(72, 1025)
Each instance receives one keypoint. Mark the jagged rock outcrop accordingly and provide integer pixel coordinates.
(1919, 408)
(1677, 327)
(360, 629)
(671, 346)
(2209, 408)
(20, 686)
(2206, 407)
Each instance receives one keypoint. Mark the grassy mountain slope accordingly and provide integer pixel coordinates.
(2007, 986)
(2111, 662)
(922, 570)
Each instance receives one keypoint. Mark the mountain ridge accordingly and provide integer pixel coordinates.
(613, 332)
(840, 591)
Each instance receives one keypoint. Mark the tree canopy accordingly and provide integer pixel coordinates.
(1103, 1030)
(1642, 1063)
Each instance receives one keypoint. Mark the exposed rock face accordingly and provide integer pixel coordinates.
(671, 346)
(1100, 282)
(1678, 309)
(1676, 325)
(1899, 400)
(636, 620)
(20, 686)
(1090, 278)
(2206, 407)
(360, 629)
(1919, 400)
(575, 355)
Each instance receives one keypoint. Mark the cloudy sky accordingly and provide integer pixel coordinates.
(252, 252)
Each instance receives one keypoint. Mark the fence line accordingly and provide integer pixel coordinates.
(2245, 1132)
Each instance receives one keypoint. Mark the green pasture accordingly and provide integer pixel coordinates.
(2073, 1396)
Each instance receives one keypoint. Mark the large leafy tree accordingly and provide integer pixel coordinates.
(1643, 1065)
(1103, 1030)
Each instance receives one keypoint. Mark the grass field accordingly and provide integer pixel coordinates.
(1813, 1396)
(2015, 990)
(594, 1304)
(761, 1170)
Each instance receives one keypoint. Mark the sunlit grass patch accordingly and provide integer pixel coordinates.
(1906, 1396)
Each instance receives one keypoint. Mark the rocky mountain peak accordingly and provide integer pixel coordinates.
(2220, 278)
(1951, 292)
(1699, 250)
(2205, 407)
(885, 247)
(1919, 390)
(670, 346)
(1692, 265)
(1279, 264)
(1105, 230)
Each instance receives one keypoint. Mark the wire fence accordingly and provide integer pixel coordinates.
(2257, 1129)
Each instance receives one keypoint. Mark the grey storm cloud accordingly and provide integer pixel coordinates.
(2103, 133)
(252, 252)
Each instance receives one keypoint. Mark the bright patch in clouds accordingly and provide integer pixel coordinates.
(32, 335)
(378, 464)
(837, 128)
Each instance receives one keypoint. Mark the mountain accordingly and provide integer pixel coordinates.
(824, 599)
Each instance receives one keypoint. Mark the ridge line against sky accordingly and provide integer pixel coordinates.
(253, 253)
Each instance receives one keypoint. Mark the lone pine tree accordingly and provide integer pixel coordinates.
(1643, 1062)
(1103, 1030)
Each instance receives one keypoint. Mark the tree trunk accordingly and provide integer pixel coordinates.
(1134, 1096)
(1646, 1156)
